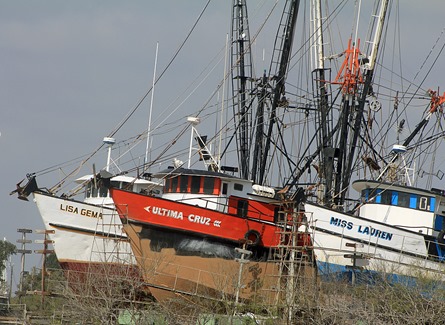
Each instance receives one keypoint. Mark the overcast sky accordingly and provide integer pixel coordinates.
(71, 70)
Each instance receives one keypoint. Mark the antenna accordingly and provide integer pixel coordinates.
(109, 142)
(148, 147)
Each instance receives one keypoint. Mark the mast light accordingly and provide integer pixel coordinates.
(398, 148)
(109, 141)
(193, 120)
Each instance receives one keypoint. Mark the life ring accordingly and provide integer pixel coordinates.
(441, 237)
(253, 237)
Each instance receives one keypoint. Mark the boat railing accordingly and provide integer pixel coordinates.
(213, 203)
(209, 202)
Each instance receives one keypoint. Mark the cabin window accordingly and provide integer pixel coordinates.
(242, 208)
(174, 184)
(238, 187)
(209, 184)
(378, 198)
(88, 190)
(93, 191)
(394, 198)
(386, 197)
(403, 200)
(183, 184)
(103, 191)
(423, 203)
(195, 184)
(167, 185)
(224, 188)
(365, 194)
(389, 197)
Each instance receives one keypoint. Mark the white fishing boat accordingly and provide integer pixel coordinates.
(394, 227)
(87, 235)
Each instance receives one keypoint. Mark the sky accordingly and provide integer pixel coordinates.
(70, 71)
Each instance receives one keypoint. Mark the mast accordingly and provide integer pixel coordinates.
(345, 172)
(321, 95)
(259, 120)
(241, 82)
(279, 64)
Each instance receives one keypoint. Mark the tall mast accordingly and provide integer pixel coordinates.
(367, 90)
(279, 66)
(321, 95)
(241, 82)
(262, 93)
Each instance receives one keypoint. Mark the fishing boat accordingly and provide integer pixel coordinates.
(87, 235)
(216, 231)
(395, 227)
(195, 238)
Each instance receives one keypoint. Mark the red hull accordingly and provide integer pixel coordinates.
(189, 249)
(196, 220)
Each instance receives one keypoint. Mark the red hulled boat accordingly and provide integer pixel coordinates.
(196, 236)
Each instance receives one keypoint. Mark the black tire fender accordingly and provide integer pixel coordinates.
(253, 237)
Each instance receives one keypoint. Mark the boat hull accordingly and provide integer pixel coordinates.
(176, 258)
(194, 271)
(344, 242)
(84, 235)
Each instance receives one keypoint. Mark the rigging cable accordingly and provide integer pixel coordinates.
(431, 67)
(162, 73)
(121, 124)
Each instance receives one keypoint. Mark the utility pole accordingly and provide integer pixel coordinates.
(11, 266)
(23, 251)
(44, 252)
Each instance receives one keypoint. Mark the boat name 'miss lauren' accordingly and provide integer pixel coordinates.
(163, 212)
(365, 230)
(82, 212)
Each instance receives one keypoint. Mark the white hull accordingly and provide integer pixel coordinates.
(84, 233)
(385, 249)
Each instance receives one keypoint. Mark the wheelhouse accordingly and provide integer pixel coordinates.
(399, 197)
(203, 183)
(423, 211)
(219, 192)
(96, 193)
